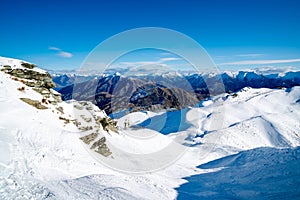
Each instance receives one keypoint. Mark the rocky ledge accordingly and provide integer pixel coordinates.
(38, 80)
(92, 125)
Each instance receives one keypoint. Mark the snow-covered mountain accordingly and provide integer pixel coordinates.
(158, 89)
(115, 92)
(236, 146)
(233, 80)
(64, 80)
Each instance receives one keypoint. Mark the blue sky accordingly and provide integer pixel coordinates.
(237, 34)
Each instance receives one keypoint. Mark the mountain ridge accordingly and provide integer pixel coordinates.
(185, 88)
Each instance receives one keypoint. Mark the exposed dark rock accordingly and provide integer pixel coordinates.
(60, 109)
(103, 150)
(40, 79)
(56, 95)
(85, 128)
(30, 83)
(98, 143)
(86, 119)
(52, 102)
(28, 65)
(43, 91)
(76, 123)
(6, 68)
(108, 124)
(64, 119)
(78, 107)
(34, 103)
(89, 138)
(22, 89)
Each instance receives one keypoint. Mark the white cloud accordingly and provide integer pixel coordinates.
(65, 54)
(54, 48)
(273, 69)
(61, 53)
(260, 62)
(168, 59)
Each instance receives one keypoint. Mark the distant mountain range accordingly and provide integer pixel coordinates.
(115, 92)
(166, 91)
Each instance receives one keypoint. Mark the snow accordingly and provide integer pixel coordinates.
(233, 146)
(15, 63)
(263, 173)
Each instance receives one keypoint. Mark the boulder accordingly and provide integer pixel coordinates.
(89, 138)
(85, 128)
(6, 68)
(99, 143)
(28, 65)
(108, 124)
(35, 103)
(103, 150)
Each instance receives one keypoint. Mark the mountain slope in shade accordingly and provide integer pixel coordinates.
(115, 92)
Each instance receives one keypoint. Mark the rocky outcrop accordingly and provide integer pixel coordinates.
(60, 109)
(85, 128)
(101, 148)
(108, 124)
(37, 79)
(89, 138)
(35, 103)
(28, 65)
(86, 119)
(41, 82)
(95, 138)
(6, 68)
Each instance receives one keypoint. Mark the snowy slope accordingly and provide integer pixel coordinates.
(249, 118)
(270, 115)
(42, 157)
(263, 173)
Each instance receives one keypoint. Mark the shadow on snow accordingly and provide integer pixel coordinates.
(262, 173)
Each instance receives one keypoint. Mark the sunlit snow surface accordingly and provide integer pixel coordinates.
(254, 155)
